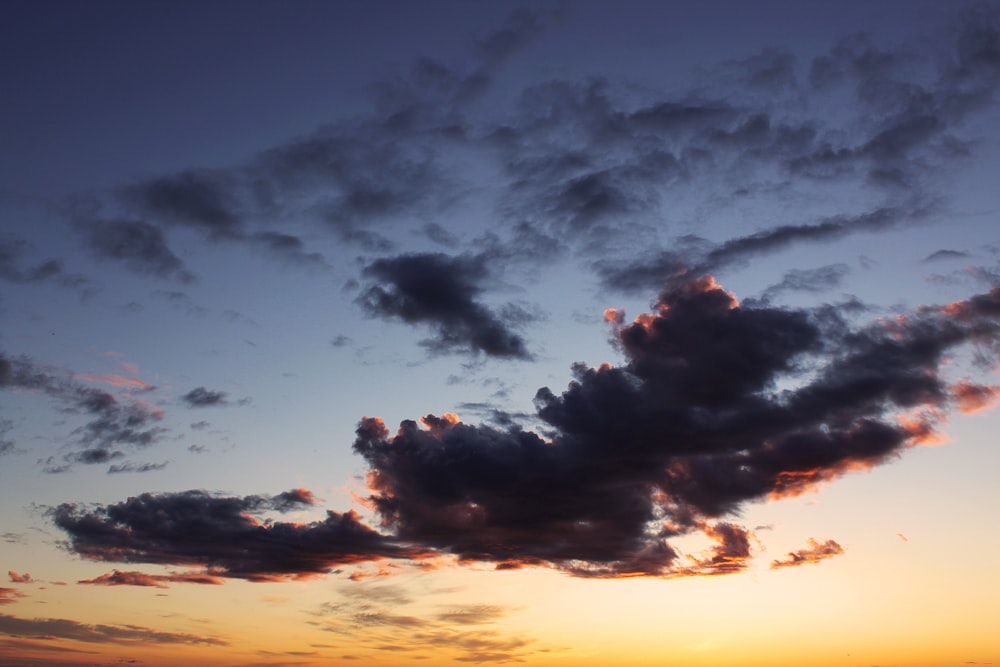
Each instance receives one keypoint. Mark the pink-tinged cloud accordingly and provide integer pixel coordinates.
(812, 554)
(10, 595)
(114, 380)
(19, 578)
(614, 315)
(973, 397)
(133, 578)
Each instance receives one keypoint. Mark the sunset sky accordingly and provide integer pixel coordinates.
(571, 334)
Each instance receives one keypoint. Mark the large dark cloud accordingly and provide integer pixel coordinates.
(59, 628)
(442, 292)
(112, 423)
(222, 535)
(141, 246)
(718, 405)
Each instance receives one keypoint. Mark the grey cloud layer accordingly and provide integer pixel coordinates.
(584, 165)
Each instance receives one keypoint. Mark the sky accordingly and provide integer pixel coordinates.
(565, 334)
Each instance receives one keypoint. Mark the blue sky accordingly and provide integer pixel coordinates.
(594, 291)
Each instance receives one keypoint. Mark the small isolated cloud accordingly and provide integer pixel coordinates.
(139, 245)
(443, 292)
(10, 595)
(133, 578)
(200, 397)
(58, 628)
(813, 553)
(19, 578)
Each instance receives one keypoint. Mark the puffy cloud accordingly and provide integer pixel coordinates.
(10, 595)
(222, 535)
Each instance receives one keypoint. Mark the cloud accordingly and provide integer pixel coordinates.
(809, 280)
(692, 428)
(442, 291)
(945, 254)
(58, 628)
(223, 535)
(139, 245)
(12, 252)
(664, 268)
(135, 467)
(719, 404)
(132, 578)
(463, 631)
(112, 423)
(19, 578)
(10, 595)
(813, 553)
(199, 397)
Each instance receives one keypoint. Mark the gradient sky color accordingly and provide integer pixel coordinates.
(568, 334)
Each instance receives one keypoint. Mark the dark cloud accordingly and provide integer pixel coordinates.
(690, 430)
(10, 595)
(6, 444)
(221, 534)
(58, 628)
(199, 397)
(718, 405)
(945, 254)
(141, 246)
(461, 630)
(442, 292)
(112, 423)
(814, 553)
(809, 280)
